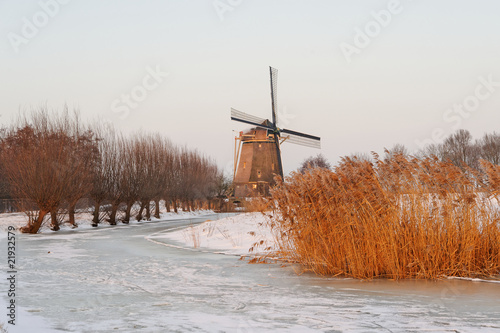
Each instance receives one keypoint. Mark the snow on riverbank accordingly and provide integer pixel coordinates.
(242, 234)
(84, 220)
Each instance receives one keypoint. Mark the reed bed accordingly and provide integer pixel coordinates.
(399, 217)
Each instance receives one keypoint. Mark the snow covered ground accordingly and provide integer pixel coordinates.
(154, 277)
(242, 235)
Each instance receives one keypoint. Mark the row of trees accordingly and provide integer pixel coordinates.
(461, 149)
(52, 161)
(4, 191)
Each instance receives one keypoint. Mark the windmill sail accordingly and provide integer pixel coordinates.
(249, 119)
(274, 93)
(273, 72)
(301, 138)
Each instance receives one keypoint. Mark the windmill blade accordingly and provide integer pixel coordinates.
(274, 93)
(301, 141)
(245, 116)
(248, 119)
(301, 138)
(278, 152)
(307, 136)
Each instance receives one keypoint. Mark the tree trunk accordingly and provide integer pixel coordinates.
(174, 202)
(148, 211)
(157, 208)
(97, 209)
(54, 223)
(33, 226)
(71, 214)
(112, 215)
(167, 205)
(126, 220)
(139, 216)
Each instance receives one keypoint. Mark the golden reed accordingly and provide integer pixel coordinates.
(398, 217)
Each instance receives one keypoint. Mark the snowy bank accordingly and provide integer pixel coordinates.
(84, 220)
(243, 234)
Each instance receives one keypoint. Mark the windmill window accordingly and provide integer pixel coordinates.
(258, 174)
(246, 187)
(272, 166)
(260, 145)
(254, 186)
(244, 165)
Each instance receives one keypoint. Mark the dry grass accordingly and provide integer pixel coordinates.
(193, 234)
(395, 218)
(256, 204)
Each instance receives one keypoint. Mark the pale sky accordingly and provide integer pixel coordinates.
(362, 75)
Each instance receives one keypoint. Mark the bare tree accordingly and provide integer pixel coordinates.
(146, 158)
(82, 159)
(129, 177)
(105, 172)
(490, 148)
(397, 149)
(186, 179)
(45, 162)
(318, 161)
(115, 167)
(459, 149)
(162, 157)
(432, 150)
(170, 179)
(4, 185)
(223, 188)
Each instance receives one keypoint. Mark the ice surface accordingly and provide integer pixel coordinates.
(117, 279)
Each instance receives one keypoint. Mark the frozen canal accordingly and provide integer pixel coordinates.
(116, 280)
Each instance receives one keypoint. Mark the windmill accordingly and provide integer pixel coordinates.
(257, 151)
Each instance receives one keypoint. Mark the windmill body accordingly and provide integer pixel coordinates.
(257, 151)
(258, 163)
